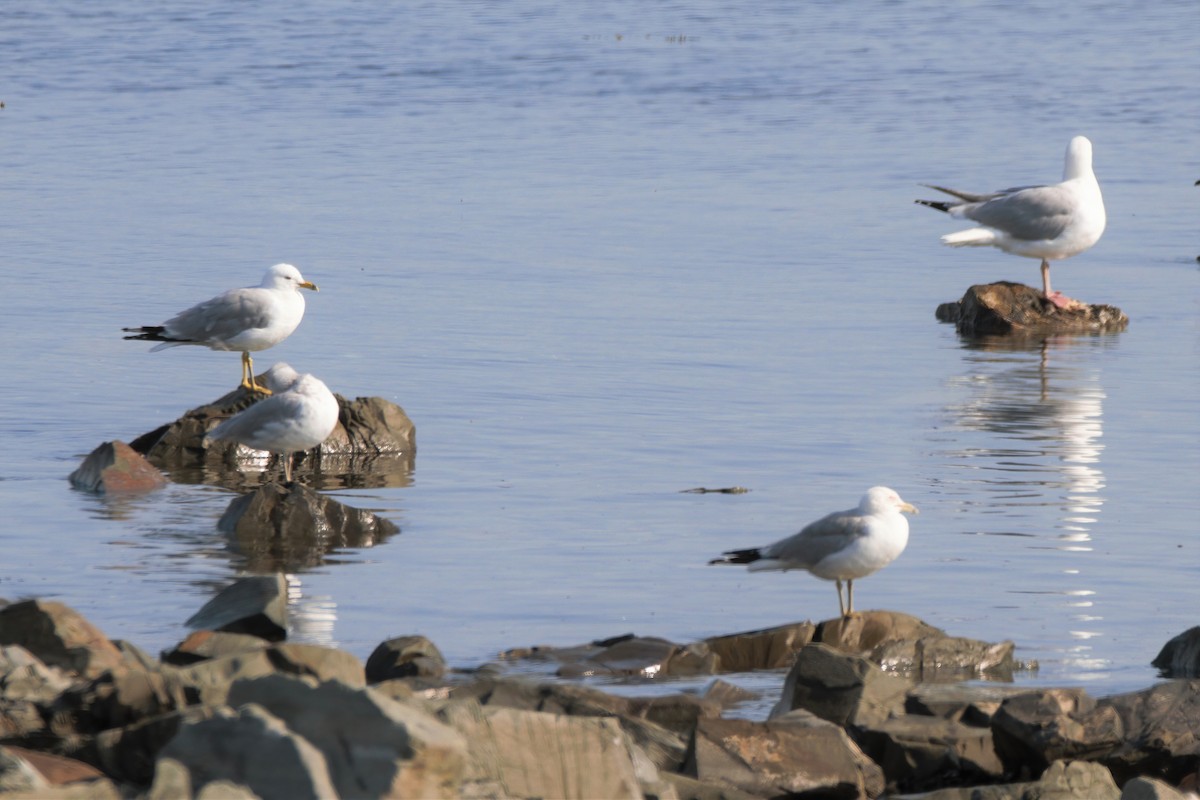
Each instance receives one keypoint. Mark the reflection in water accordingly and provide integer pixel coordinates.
(310, 619)
(1036, 406)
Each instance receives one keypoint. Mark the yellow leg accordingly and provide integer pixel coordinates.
(248, 376)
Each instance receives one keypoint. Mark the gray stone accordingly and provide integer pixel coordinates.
(1157, 731)
(771, 648)
(315, 661)
(918, 752)
(209, 681)
(129, 753)
(1150, 789)
(1032, 730)
(970, 704)
(254, 605)
(58, 636)
(204, 644)
(1180, 657)
(405, 657)
(1008, 309)
(116, 468)
(845, 689)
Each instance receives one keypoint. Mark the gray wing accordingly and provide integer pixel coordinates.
(221, 318)
(819, 539)
(1031, 214)
(262, 423)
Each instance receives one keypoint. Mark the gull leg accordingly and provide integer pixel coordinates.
(850, 597)
(841, 605)
(287, 467)
(1057, 298)
(248, 376)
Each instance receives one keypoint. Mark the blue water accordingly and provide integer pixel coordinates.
(601, 255)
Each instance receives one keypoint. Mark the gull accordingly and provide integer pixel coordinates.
(248, 320)
(300, 415)
(842, 546)
(1046, 222)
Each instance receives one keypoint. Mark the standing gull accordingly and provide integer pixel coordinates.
(842, 546)
(248, 320)
(299, 416)
(1046, 222)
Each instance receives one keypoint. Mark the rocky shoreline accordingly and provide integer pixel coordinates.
(879, 704)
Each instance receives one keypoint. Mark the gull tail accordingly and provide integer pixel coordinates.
(153, 333)
(975, 237)
(739, 557)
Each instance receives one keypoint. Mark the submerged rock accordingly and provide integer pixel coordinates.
(115, 467)
(1014, 308)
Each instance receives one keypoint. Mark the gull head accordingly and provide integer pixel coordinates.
(284, 275)
(1079, 158)
(280, 377)
(882, 500)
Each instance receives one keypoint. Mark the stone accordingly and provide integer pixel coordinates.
(209, 681)
(1157, 731)
(129, 753)
(1180, 657)
(845, 689)
(1005, 308)
(58, 636)
(17, 774)
(945, 658)
(917, 752)
(293, 527)
(1033, 729)
(173, 781)
(204, 644)
(405, 657)
(1062, 780)
(866, 631)
(781, 759)
(1146, 788)
(255, 605)
(515, 753)
(373, 746)
(253, 748)
(958, 702)
(625, 657)
(373, 445)
(727, 695)
(54, 770)
(771, 648)
(119, 697)
(316, 661)
(116, 468)
(99, 789)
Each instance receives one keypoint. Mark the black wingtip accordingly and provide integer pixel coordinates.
(738, 557)
(937, 204)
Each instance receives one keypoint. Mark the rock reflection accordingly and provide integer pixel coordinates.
(1028, 433)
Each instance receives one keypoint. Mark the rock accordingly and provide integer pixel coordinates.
(691, 789)
(777, 758)
(514, 753)
(129, 753)
(1063, 780)
(119, 697)
(316, 661)
(1032, 730)
(58, 636)
(972, 705)
(405, 657)
(1157, 731)
(173, 781)
(209, 681)
(373, 746)
(1180, 657)
(203, 645)
(1005, 308)
(847, 690)
(373, 444)
(115, 467)
(772, 648)
(54, 770)
(255, 605)
(1150, 789)
(626, 656)
(253, 748)
(918, 752)
(727, 695)
(17, 774)
(292, 527)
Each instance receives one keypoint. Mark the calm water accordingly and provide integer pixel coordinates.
(602, 256)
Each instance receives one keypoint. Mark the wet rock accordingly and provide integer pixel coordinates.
(255, 605)
(1032, 730)
(771, 648)
(253, 748)
(1006, 308)
(1180, 657)
(373, 444)
(919, 753)
(115, 467)
(58, 636)
(778, 758)
(373, 746)
(845, 689)
(405, 657)
(726, 695)
(203, 645)
(1150, 789)
(515, 753)
(292, 527)
(625, 656)
(1157, 731)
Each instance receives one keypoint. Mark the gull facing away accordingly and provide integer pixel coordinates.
(248, 320)
(842, 546)
(1046, 222)
(300, 415)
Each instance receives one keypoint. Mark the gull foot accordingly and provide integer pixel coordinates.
(254, 388)
(1060, 300)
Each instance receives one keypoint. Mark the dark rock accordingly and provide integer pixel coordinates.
(845, 689)
(1157, 731)
(58, 636)
(121, 696)
(292, 527)
(203, 645)
(115, 467)
(691, 789)
(772, 648)
(1150, 789)
(918, 753)
(782, 759)
(1005, 308)
(373, 444)
(1063, 780)
(972, 705)
(1180, 657)
(1032, 730)
(405, 657)
(255, 605)
(129, 753)
(625, 656)
(726, 695)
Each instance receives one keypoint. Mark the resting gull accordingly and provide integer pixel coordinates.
(1046, 222)
(248, 320)
(842, 546)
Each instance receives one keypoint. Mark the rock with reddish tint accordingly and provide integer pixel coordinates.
(58, 636)
(1014, 309)
(292, 527)
(405, 657)
(781, 758)
(1180, 657)
(203, 645)
(116, 468)
(255, 605)
(772, 648)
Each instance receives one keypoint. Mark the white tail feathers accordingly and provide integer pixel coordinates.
(975, 237)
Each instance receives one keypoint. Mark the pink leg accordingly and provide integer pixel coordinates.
(1057, 298)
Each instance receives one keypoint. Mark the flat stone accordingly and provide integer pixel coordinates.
(770, 648)
(255, 605)
(1005, 308)
(116, 468)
